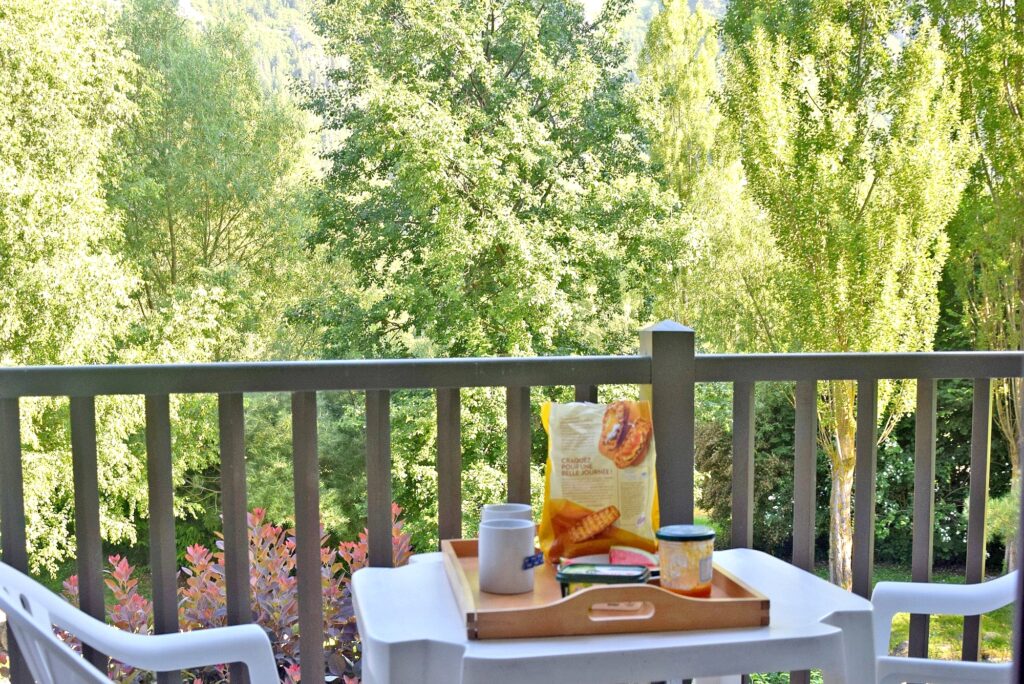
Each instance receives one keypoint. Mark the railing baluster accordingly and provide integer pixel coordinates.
(163, 558)
(742, 535)
(306, 463)
(1018, 621)
(981, 443)
(864, 497)
(449, 463)
(378, 477)
(87, 516)
(233, 506)
(805, 457)
(517, 408)
(671, 393)
(13, 547)
(924, 506)
(586, 393)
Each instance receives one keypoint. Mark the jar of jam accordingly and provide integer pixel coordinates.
(684, 552)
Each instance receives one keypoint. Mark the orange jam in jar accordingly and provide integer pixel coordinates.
(684, 552)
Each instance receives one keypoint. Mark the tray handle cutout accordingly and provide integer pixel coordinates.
(606, 611)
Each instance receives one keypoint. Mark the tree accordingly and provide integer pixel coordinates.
(209, 180)
(492, 193)
(207, 176)
(848, 124)
(723, 258)
(985, 41)
(64, 288)
(286, 48)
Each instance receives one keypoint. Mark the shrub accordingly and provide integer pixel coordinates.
(274, 599)
(773, 482)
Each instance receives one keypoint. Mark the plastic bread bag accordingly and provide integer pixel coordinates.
(599, 481)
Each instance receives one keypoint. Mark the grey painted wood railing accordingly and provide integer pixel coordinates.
(667, 369)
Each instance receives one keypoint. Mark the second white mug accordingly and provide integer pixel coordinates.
(506, 511)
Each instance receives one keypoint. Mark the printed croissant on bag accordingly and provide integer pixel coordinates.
(625, 434)
(599, 482)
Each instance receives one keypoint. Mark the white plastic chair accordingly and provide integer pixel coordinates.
(890, 598)
(32, 612)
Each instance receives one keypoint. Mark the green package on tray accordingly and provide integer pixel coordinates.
(582, 575)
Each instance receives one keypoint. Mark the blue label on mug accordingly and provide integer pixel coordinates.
(533, 561)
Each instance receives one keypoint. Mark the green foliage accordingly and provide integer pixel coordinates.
(678, 66)
(1002, 517)
(852, 144)
(205, 178)
(62, 279)
(491, 194)
(724, 262)
(286, 49)
(985, 44)
(773, 483)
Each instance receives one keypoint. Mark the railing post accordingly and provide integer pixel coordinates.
(1018, 622)
(981, 448)
(306, 460)
(924, 506)
(805, 475)
(671, 393)
(518, 438)
(14, 550)
(88, 540)
(805, 462)
(234, 502)
(163, 558)
(865, 485)
(449, 463)
(586, 393)
(378, 478)
(742, 534)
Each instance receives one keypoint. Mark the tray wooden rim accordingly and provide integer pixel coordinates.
(568, 616)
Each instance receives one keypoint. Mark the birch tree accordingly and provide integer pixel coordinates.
(849, 128)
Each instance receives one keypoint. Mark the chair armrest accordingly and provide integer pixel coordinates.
(890, 598)
(246, 644)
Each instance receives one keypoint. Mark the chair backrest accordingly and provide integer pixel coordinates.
(29, 607)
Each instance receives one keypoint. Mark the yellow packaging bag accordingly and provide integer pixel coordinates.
(599, 481)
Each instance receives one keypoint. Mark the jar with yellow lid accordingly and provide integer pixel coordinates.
(684, 552)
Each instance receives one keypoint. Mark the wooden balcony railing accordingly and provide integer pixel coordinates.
(667, 369)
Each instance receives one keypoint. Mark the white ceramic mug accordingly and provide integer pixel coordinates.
(506, 511)
(504, 545)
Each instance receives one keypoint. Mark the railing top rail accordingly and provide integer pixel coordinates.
(393, 374)
(301, 376)
(854, 366)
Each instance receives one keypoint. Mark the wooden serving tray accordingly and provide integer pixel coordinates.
(595, 610)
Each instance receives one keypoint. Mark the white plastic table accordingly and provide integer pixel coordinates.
(412, 632)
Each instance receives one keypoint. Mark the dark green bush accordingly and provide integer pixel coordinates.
(773, 482)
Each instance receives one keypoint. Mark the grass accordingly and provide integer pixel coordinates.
(945, 631)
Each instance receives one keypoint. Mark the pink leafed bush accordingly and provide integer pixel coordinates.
(273, 593)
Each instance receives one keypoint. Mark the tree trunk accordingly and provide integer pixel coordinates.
(842, 459)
